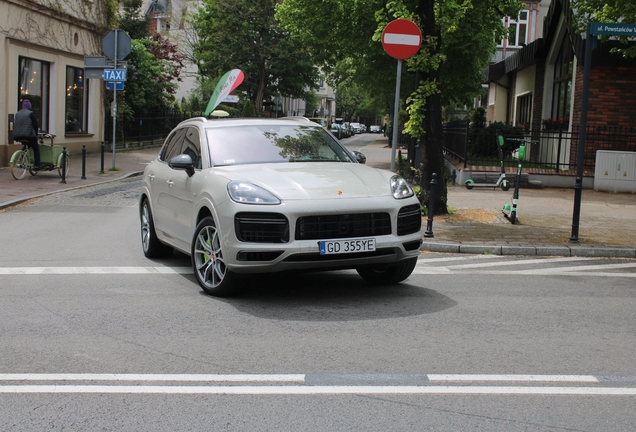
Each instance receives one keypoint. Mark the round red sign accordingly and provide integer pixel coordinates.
(401, 39)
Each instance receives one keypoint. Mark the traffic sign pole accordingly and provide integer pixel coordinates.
(115, 106)
(401, 39)
(396, 109)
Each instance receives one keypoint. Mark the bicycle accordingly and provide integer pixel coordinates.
(51, 157)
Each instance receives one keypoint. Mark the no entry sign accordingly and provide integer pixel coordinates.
(401, 39)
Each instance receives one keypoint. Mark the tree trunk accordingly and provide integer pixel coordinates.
(431, 144)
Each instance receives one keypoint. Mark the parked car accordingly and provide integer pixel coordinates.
(337, 130)
(375, 129)
(248, 196)
(356, 127)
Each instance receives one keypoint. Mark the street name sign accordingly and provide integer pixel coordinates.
(115, 75)
(401, 39)
(613, 29)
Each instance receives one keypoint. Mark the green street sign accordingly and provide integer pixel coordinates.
(613, 29)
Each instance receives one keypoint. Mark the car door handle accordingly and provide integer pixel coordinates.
(170, 183)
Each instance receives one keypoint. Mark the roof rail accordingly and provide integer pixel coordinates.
(201, 119)
(294, 118)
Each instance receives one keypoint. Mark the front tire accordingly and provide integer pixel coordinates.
(20, 166)
(208, 260)
(151, 245)
(387, 274)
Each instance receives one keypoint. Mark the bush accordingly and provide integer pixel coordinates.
(483, 141)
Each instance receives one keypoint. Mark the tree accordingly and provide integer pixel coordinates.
(461, 33)
(612, 11)
(244, 34)
(133, 21)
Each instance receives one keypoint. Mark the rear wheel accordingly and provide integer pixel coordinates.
(66, 165)
(469, 184)
(20, 166)
(505, 185)
(387, 274)
(208, 260)
(152, 246)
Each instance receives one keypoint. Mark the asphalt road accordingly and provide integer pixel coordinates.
(96, 337)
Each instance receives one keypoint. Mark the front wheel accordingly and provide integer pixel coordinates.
(20, 166)
(66, 165)
(208, 260)
(387, 274)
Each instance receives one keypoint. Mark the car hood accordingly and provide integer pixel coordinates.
(313, 180)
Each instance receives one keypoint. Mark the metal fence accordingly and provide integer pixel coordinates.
(552, 148)
(144, 131)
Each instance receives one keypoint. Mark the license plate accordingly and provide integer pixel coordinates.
(346, 246)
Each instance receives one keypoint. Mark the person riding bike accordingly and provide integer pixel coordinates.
(26, 128)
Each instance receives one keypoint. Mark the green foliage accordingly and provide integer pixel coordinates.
(244, 34)
(612, 11)
(483, 141)
(133, 20)
(249, 109)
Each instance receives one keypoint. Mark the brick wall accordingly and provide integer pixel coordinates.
(611, 101)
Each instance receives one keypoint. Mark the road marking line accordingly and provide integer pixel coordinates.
(320, 390)
(92, 270)
(298, 378)
(513, 378)
(461, 258)
(518, 262)
(550, 272)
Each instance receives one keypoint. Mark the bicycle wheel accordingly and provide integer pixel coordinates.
(20, 166)
(66, 165)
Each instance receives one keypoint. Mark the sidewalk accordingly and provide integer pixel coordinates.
(127, 162)
(475, 225)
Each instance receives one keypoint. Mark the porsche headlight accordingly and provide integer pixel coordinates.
(400, 188)
(248, 193)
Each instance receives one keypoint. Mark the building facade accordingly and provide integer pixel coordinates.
(43, 44)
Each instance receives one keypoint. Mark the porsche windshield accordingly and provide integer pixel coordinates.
(249, 144)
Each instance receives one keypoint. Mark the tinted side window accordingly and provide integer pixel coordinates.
(173, 147)
(192, 146)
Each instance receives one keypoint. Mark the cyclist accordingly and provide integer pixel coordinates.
(26, 128)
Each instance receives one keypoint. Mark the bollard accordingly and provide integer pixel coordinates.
(84, 162)
(101, 170)
(431, 208)
(454, 177)
(63, 165)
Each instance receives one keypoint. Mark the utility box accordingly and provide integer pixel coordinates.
(615, 171)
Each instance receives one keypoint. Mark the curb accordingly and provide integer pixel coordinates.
(564, 251)
(13, 203)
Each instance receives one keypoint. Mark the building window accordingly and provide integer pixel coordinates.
(76, 101)
(562, 84)
(524, 111)
(517, 31)
(34, 86)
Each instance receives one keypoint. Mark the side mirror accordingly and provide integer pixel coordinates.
(182, 162)
(360, 157)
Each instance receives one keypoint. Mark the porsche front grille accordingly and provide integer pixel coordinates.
(261, 227)
(342, 226)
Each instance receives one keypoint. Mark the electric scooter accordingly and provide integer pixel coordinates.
(510, 212)
(501, 181)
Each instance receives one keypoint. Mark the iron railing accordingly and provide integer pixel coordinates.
(552, 149)
(146, 131)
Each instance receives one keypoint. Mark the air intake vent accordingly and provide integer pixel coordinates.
(343, 226)
(409, 220)
(261, 227)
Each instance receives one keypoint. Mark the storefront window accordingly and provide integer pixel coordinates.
(76, 101)
(34, 86)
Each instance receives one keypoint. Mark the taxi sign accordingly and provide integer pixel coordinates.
(115, 75)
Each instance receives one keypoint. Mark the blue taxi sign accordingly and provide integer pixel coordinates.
(115, 75)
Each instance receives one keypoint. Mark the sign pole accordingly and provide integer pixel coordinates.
(115, 105)
(396, 110)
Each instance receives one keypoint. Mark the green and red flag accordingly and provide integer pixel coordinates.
(228, 82)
